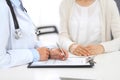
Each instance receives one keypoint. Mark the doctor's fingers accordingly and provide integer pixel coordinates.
(43, 57)
(65, 54)
(61, 54)
(47, 52)
(54, 52)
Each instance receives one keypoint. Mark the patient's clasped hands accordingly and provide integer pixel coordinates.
(54, 53)
(80, 50)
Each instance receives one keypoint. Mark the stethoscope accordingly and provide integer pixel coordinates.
(18, 32)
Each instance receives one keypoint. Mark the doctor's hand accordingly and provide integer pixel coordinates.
(79, 50)
(44, 53)
(56, 53)
(95, 49)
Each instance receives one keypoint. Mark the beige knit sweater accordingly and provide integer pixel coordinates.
(110, 21)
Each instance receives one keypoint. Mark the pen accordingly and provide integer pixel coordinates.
(60, 49)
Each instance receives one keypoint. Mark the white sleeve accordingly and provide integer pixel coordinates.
(9, 58)
(114, 45)
(64, 36)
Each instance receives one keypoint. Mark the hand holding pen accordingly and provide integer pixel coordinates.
(58, 53)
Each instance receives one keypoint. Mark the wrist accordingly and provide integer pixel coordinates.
(72, 47)
(51, 51)
(36, 55)
(101, 48)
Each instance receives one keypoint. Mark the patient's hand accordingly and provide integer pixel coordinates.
(57, 54)
(79, 50)
(95, 49)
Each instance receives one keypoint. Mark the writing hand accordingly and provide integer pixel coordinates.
(57, 54)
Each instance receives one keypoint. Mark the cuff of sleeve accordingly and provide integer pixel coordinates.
(113, 45)
(106, 49)
(68, 44)
(36, 56)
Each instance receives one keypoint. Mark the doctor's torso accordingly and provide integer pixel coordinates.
(28, 39)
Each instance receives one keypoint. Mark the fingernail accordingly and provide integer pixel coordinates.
(63, 59)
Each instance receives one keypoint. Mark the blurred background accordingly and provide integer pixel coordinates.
(43, 12)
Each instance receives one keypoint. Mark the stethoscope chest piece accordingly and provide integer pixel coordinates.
(18, 34)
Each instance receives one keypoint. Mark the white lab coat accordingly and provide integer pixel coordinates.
(15, 52)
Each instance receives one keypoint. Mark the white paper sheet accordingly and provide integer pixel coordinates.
(69, 61)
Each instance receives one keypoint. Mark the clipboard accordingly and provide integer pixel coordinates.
(81, 62)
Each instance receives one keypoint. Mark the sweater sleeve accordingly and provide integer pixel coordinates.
(113, 45)
(64, 36)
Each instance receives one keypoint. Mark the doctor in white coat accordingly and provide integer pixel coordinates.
(14, 52)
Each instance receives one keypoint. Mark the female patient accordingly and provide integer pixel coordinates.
(89, 27)
(17, 50)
